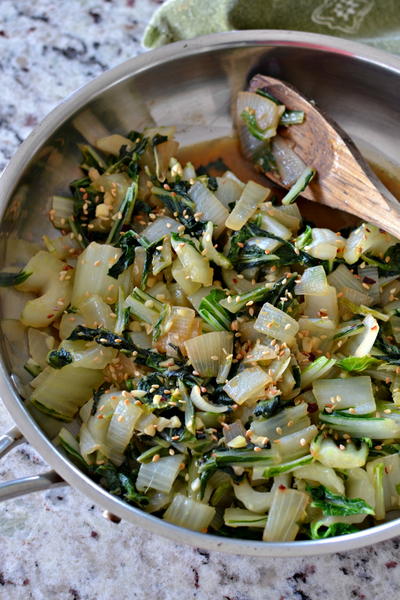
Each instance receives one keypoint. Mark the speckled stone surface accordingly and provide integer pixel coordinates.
(56, 545)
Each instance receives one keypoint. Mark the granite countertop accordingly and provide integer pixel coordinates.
(56, 545)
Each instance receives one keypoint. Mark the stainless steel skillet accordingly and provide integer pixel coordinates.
(189, 84)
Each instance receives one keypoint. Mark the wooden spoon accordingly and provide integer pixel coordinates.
(344, 180)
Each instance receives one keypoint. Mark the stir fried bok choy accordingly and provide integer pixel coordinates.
(204, 353)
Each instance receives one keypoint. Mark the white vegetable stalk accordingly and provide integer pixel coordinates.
(297, 444)
(147, 310)
(62, 247)
(240, 285)
(51, 279)
(88, 446)
(65, 390)
(279, 365)
(258, 502)
(366, 238)
(202, 404)
(122, 426)
(209, 206)
(252, 196)
(321, 474)
(40, 344)
(96, 313)
(318, 369)
(266, 112)
(339, 457)
(280, 214)
(209, 351)
(197, 267)
(290, 165)
(229, 189)
(88, 355)
(351, 287)
(341, 394)
(189, 172)
(159, 475)
(323, 305)
(248, 385)
(111, 144)
(359, 485)
(283, 423)
(179, 327)
(361, 344)
(238, 517)
(286, 512)
(159, 228)
(325, 244)
(321, 329)
(287, 385)
(378, 428)
(62, 211)
(275, 323)
(260, 353)
(181, 276)
(210, 252)
(313, 282)
(272, 225)
(91, 275)
(188, 513)
(384, 473)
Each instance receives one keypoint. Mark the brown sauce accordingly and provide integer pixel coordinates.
(227, 149)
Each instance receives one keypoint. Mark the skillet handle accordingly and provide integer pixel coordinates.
(8, 441)
(25, 485)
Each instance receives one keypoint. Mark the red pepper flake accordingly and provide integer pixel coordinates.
(49, 316)
(369, 280)
(282, 487)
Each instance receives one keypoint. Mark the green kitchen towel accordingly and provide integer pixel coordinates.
(375, 22)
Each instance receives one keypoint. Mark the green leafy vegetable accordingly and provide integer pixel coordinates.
(319, 531)
(179, 203)
(253, 127)
(213, 313)
(128, 243)
(10, 279)
(264, 157)
(389, 264)
(91, 158)
(358, 364)
(292, 117)
(266, 94)
(124, 212)
(267, 408)
(391, 351)
(118, 484)
(335, 504)
(299, 186)
(59, 358)
(286, 254)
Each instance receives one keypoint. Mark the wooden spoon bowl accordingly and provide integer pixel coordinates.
(344, 179)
